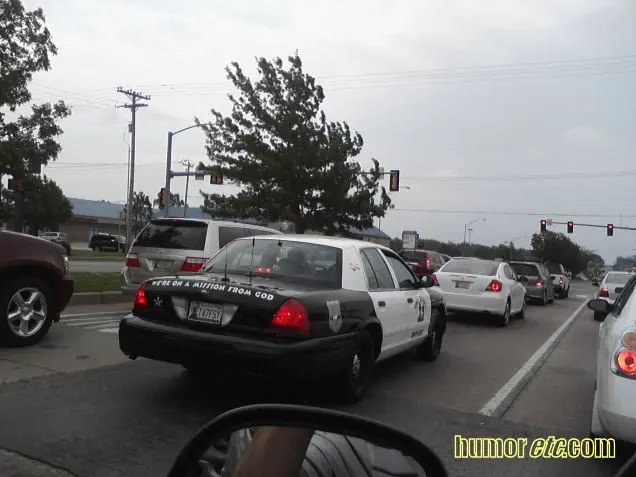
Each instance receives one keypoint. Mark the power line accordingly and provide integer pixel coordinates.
(517, 213)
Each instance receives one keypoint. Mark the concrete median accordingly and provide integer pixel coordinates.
(100, 298)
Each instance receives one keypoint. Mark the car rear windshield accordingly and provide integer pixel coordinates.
(472, 266)
(554, 269)
(173, 234)
(281, 259)
(413, 255)
(526, 269)
(617, 278)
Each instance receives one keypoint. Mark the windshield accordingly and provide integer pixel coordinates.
(525, 269)
(413, 255)
(554, 269)
(617, 278)
(472, 266)
(282, 259)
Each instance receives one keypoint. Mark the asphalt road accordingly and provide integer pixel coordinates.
(74, 401)
(96, 266)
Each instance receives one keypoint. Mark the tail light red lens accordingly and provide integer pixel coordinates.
(132, 260)
(141, 300)
(263, 270)
(435, 281)
(626, 362)
(292, 315)
(193, 264)
(495, 286)
(561, 282)
(604, 292)
(539, 283)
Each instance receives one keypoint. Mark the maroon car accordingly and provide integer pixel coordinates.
(35, 287)
(423, 262)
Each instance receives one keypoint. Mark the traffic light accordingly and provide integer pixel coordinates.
(163, 198)
(394, 182)
(218, 180)
(544, 225)
(570, 227)
(610, 230)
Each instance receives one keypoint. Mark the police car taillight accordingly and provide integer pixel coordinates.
(141, 300)
(292, 315)
(193, 264)
(132, 260)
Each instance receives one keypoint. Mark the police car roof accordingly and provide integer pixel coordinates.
(329, 241)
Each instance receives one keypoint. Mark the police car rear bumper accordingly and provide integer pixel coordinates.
(311, 359)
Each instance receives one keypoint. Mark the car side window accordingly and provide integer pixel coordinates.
(508, 272)
(624, 297)
(372, 280)
(228, 233)
(405, 277)
(380, 269)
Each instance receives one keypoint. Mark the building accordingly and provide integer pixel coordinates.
(94, 216)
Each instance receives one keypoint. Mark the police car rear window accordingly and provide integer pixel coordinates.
(174, 234)
(281, 259)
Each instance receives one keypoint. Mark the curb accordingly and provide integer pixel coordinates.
(96, 259)
(99, 298)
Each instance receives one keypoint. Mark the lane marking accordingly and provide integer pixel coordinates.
(97, 313)
(506, 394)
(103, 325)
(92, 318)
(582, 297)
(110, 330)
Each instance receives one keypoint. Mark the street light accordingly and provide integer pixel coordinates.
(480, 219)
(169, 164)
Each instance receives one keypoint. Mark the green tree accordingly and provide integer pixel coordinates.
(175, 200)
(142, 211)
(44, 207)
(290, 162)
(29, 140)
(558, 248)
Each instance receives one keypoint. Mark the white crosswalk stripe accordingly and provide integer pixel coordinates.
(105, 322)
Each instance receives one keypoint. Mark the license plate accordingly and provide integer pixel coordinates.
(463, 285)
(206, 312)
(162, 264)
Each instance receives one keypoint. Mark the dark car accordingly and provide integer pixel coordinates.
(423, 262)
(35, 287)
(102, 241)
(536, 280)
(294, 308)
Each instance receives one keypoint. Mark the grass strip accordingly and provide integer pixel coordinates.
(88, 282)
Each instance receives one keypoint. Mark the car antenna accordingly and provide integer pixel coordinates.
(252, 258)
(225, 279)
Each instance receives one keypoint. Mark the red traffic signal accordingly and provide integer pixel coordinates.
(394, 182)
(218, 180)
(570, 227)
(610, 230)
(544, 225)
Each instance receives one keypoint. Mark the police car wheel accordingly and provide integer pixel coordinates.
(354, 379)
(27, 305)
(431, 347)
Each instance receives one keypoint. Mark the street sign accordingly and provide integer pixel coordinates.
(409, 239)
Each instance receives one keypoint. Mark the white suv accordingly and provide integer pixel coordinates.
(560, 279)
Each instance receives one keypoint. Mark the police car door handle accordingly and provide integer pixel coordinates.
(409, 300)
(381, 303)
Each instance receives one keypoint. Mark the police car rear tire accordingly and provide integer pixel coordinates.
(430, 349)
(353, 381)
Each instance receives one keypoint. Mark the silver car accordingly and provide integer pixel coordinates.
(610, 287)
(171, 246)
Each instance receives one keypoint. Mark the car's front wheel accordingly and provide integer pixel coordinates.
(431, 347)
(27, 308)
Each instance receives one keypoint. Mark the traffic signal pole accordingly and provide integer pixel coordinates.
(616, 227)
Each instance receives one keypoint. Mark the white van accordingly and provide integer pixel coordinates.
(169, 246)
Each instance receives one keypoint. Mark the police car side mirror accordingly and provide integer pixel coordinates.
(301, 438)
(427, 282)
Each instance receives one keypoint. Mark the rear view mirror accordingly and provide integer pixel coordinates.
(600, 305)
(427, 281)
(522, 279)
(595, 283)
(290, 441)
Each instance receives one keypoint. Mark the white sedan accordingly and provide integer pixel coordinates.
(488, 286)
(614, 409)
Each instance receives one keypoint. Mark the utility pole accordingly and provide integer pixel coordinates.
(188, 164)
(133, 106)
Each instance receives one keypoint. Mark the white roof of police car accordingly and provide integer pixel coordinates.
(211, 221)
(329, 241)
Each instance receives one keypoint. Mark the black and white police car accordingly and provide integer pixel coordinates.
(293, 306)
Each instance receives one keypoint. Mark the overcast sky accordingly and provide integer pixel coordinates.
(477, 103)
